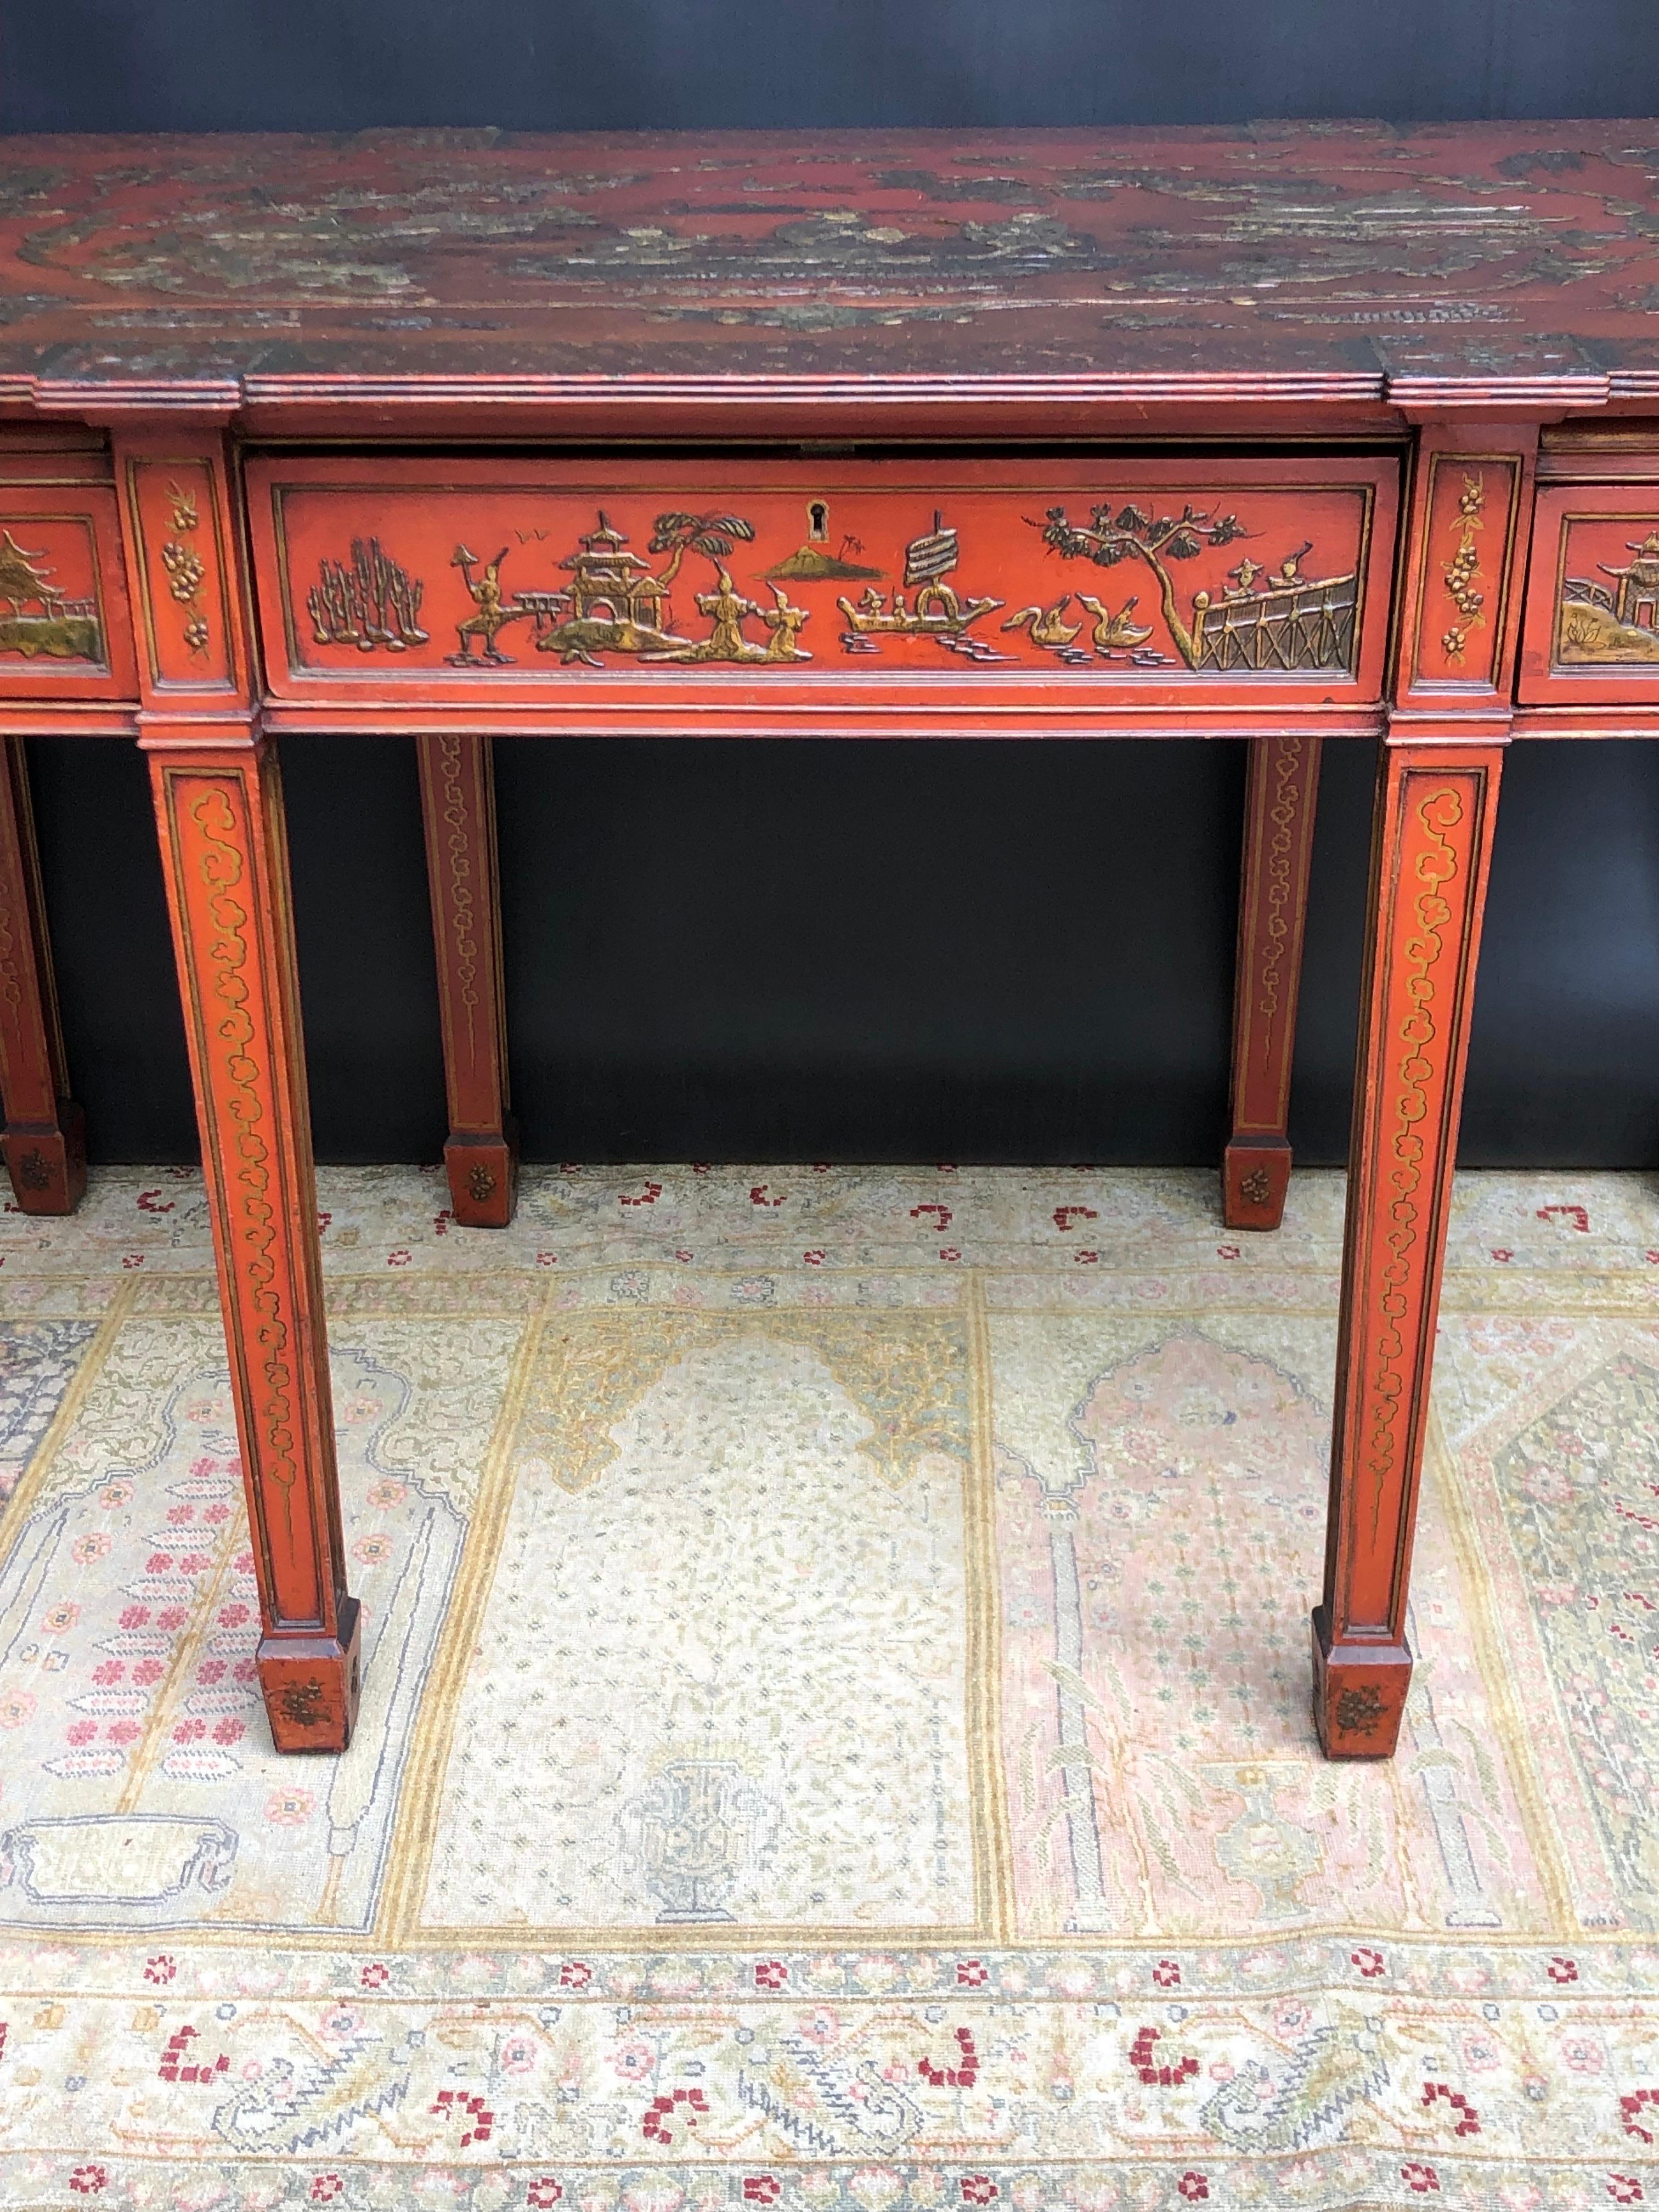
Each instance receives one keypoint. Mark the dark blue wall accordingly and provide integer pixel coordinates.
(690, 64)
(814, 950)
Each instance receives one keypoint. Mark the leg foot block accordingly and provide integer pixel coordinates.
(1358, 1694)
(1254, 1177)
(483, 1176)
(310, 1685)
(48, 1166)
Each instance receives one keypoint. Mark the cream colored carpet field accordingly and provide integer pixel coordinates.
(836, 1729)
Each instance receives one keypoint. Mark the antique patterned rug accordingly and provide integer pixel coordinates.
(836, 1725)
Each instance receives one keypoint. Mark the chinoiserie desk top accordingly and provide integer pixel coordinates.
(1352, 266)
(1286, 432)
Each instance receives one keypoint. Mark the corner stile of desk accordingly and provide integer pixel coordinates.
(217, 791)
(1432, 836)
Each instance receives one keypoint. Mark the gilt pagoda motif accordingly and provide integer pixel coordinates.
(42, 618)
(1617, 621)
(611, 583)
(707, 586)
(613, 603)
(617, 602)
(1636, 586)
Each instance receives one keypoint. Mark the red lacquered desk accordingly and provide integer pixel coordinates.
(1286, 434)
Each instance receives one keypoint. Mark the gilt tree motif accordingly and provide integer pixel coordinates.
(714, 536)
(1133, 535)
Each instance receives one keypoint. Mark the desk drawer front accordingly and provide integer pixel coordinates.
(605, 583)
(1591, 630)
(64, 628)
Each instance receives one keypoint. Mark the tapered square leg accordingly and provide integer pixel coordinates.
(457, 809)
(1430, 847)
(1272, 899)
(224, 856)
(218, 797)
(44, 1139)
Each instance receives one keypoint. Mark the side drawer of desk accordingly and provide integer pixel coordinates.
(751, 591)
(65, 633)
(1590, 634)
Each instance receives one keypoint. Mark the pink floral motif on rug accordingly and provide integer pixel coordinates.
(836, 1722)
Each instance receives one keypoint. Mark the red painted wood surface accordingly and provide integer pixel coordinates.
(1278, 827)
(969, 386)
(192, 656)
(1431, 848)
(457, 809)
(1304, 263)
(65, 633)
(1466, 538)
(963, 593)
(219, 814)
(224, 861)
(1467, 524)
(1592, 623)
(44, 1141)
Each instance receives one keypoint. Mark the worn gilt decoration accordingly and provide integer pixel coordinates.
(179, 549)
(1462, 571)
(368, 602)
(1351, 261)
(43, 617)
(221, 832)
(603, 605)
(971, 1875)
(1617, 619)
(458, 808)
(1435, 817)
(1283, 782)
(455, 436)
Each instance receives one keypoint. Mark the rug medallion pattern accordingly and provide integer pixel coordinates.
(836, 1722)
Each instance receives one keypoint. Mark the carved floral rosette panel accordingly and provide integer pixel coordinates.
(611, 579)
(1592, 619)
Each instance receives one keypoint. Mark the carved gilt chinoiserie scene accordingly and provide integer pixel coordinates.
(1132, 575)
(466, 440)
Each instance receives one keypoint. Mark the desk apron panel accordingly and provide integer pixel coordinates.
(593, 589)
(1591, 630)
(65, 629)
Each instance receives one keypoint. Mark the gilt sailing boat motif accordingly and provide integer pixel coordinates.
(938, 612)
(707, 586)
